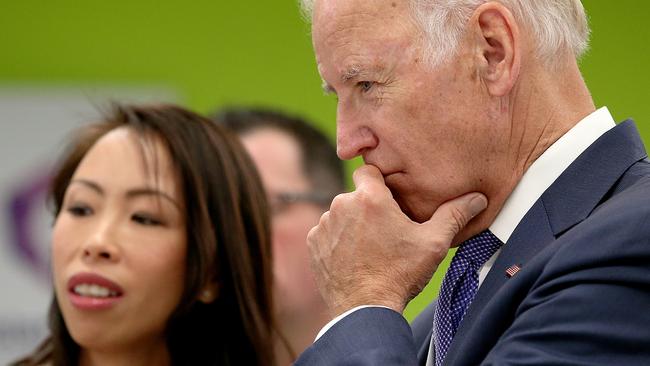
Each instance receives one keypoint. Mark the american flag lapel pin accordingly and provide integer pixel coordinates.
(512, 270)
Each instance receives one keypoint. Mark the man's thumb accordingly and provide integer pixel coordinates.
(452, 216)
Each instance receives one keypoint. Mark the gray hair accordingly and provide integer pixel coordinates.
(556, 25)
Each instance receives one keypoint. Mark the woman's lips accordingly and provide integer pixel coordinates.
(90, 291)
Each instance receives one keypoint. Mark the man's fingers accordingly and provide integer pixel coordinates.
(452, 216)
(367, 175)
(324, 219)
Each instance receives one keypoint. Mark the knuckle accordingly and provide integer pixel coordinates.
(360, 172)
(324, 218)
(338, 203)
(312, 235)
(439, 249)
(356, 174)
(366, 198)
(439, 254)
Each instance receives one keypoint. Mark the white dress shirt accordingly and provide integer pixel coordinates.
(539, 176)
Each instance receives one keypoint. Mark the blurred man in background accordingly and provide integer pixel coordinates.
(301, 173)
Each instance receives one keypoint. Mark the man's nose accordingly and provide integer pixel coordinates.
(353, 137)
(101, 244)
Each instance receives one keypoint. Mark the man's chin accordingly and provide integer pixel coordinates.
(416, 214)
(422, 213)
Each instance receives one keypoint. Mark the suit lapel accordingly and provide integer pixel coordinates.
(569, 200)
(423, 353)
(577, 192)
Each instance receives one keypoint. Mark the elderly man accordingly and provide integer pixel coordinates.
(478, 131)
(301, 174)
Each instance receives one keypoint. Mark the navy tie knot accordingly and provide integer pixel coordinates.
(478, 249)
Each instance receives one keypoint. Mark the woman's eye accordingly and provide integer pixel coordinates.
(365, 86)
(79, 210)
(146, 220)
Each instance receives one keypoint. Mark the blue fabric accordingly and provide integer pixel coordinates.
(361, 338)
(459, 287)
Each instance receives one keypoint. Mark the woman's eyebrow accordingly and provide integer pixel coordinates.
(145, 191)
(142, 191)
(90, 184)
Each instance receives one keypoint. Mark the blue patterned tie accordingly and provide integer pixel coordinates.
(459, 287)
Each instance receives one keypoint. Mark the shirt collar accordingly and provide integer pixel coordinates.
(547, 168)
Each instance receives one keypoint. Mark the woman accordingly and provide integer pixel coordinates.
(160, 246)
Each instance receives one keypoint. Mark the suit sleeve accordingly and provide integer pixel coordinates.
(370, 336)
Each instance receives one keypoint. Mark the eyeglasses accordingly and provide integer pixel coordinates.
(279, 202)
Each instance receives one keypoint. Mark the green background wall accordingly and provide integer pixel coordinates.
(214, 53)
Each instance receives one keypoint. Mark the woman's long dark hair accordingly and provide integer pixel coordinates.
(227, 235)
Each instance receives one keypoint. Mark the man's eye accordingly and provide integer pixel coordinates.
(365, 86)
(147, 220)
(79, 210)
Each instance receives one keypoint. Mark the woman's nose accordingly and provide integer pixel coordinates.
(101, 245)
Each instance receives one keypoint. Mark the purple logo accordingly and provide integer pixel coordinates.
(25, 210)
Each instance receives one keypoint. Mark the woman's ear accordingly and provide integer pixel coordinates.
(498, 46)
(209, 293)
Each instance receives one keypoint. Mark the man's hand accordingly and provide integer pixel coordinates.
(365, 251)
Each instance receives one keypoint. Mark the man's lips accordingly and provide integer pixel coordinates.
(387, 174)
(388, 177)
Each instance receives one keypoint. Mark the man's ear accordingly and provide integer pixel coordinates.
(498, 47)
(209, 293)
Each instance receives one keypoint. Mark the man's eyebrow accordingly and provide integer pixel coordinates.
(351, 73)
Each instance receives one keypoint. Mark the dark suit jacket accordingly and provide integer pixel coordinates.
(582, 296)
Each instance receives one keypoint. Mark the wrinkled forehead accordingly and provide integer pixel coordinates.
(341, 17)
(342, 27)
